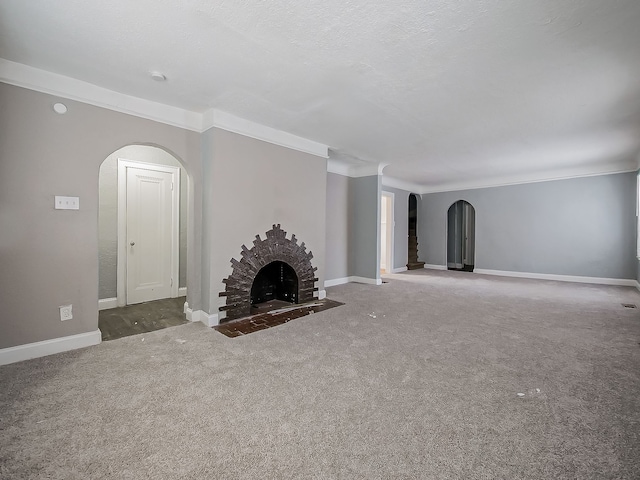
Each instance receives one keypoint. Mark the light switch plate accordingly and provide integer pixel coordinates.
(67, 203)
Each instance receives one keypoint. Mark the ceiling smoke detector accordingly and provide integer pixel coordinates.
(158, 77)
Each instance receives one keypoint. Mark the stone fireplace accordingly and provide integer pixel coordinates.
(276, 268)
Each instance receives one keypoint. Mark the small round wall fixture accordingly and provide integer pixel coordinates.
(60, 108)
(158, 77)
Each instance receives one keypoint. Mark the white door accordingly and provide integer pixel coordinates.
(150, 237)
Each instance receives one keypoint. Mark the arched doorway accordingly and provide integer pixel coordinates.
(142, 235)
(461, 226)
(412, 256)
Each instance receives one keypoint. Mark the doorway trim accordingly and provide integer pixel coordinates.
(121, 269)
(445, 266)
(391, 223)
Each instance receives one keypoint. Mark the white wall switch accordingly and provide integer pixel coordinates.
(65, 312)
(67, 203)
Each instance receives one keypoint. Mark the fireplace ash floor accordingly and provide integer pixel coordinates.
(269, 315)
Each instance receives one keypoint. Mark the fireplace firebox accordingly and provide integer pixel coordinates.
(276, 281)
(276, 268)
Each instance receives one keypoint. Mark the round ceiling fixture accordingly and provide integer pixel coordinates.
(158, 77)
(60, 108)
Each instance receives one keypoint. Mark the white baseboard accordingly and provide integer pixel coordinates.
(336, 281)
(320, 294)
(400, 269)
(49, 347)
(107, 303)
(560, 278)
(435, 267)
(638, 285)
(367, 280)
(201, 316)
(210, 320)
(354, 279)
(182, 291)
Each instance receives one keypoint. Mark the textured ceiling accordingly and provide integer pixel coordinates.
(444, 92)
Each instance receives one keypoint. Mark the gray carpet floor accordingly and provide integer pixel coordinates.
(417, 378)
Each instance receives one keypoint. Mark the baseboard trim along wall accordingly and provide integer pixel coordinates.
(638, 286)
(107, 303)
(400, 269)
(435, 267)
(355, 279)
(210, 320)
(182, 291)
(336, 281)
(49, 347)
(560, 278)
(367, 280)
(320, 294)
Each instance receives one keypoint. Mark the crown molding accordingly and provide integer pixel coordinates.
(347, 169)
(367, 170)
(25, 76)
(226, 121)
(57, 85)
(62, 86)
(402, 185)
(549, 176)
(337, 167)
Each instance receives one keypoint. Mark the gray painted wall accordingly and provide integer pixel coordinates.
(364, 231)
(50, 257)
(582, 226)
(255, 184)
(338, 220)
(108, 213)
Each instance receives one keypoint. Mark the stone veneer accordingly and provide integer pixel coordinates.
(276, 247)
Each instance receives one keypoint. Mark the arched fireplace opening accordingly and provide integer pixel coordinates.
(285, 267)
(275, 281)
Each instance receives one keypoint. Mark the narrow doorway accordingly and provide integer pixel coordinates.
(461, 226)
(386, 232)
(412, 256)
(142, 233)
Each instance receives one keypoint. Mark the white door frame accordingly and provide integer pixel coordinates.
(121, 276)
(391, 224)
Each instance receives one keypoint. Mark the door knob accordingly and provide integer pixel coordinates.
(132, 243)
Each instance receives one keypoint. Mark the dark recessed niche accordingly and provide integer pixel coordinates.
(275, 281)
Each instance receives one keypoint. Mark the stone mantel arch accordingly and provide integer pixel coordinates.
(276, 247)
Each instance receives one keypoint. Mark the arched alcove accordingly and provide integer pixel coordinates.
(117, 250)
(461, 225)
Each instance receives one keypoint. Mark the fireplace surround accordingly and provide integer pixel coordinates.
(274, 268)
